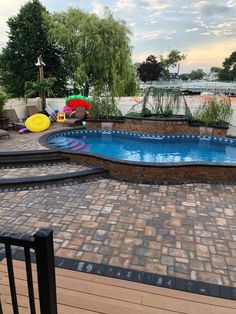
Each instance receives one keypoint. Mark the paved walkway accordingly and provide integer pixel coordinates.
(187, 230)
(27, 141)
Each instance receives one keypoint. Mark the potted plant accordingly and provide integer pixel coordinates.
(215, 111)
(3, 120)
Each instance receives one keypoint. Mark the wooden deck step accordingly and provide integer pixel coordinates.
(85, 293)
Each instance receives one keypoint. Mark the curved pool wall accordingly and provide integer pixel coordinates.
(176, 172)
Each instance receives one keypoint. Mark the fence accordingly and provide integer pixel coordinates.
(42, 243)
(125, 104)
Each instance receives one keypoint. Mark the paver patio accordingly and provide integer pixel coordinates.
(186, 230)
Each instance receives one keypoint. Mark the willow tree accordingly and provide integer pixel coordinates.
(97, 50)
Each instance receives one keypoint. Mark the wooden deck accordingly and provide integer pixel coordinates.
(84, 293)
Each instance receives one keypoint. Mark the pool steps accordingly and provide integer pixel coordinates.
(34, 158)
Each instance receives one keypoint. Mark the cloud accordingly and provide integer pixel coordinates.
(194, 29)
(205, 34)
(160, 34)
(206, 8)
(157, 5)
(231, 3)
(8, 9)
(98, 8)
(124, 6)
(218, 27)
(158, 25)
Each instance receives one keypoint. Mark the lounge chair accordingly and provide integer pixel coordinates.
(30, 110)
(78, 117)
(4, 133)
(13, 118)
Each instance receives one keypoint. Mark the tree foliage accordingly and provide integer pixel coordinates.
(228, 73)
(184, 76)
(193, 75)
(171, 61)
(150, 69)
(45, 86)
(104, 107)
(98, 51)
(3, 99)
(173, 58)
(27, 40)
(216, 70)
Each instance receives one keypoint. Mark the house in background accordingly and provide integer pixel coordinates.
(211, 76)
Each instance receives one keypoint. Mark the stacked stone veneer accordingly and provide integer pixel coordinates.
(161, 173)
(156, 127)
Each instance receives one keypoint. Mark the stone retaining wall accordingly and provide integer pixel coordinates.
(156, 127)
(167, 173)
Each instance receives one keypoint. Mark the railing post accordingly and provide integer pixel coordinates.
(1, 312)
(46, 271)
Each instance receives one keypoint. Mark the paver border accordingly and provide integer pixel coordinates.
(164, 281)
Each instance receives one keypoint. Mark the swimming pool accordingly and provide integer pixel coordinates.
(143, 148)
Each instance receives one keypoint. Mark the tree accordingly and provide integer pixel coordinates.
(27, 40)
(97, 51)
(150, 69)
(42, 88)
(228, 73)
(193, 75)
(184, 76)
(216, 70)
(173, 58)
(196, 74)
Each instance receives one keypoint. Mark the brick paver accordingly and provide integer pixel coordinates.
(186, 230)
(42, 170)
(26, 141)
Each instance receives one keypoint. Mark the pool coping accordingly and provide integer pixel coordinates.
(43, 141)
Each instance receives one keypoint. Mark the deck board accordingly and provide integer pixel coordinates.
(85, 294)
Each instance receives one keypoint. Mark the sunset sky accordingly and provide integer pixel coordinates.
(203, 30)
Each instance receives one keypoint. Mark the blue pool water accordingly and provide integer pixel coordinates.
(147, 148)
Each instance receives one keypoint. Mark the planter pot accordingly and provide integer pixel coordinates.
(203, 130)
(201, 124)
(112, 119)
(4, 123)
(159, 118)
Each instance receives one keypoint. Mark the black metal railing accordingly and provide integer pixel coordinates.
(42, 243)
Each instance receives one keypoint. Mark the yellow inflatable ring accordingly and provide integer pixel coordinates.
(37, 122)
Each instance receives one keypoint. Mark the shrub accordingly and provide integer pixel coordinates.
(135, 114)
(214, 110)
(167, 111)
(104, 107)
(146, 112)
(3, 99)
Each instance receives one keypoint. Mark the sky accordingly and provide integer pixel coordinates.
(205, 31)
